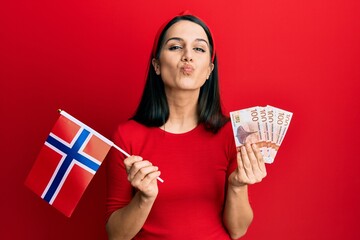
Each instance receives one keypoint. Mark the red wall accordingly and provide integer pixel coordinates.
(90, 58)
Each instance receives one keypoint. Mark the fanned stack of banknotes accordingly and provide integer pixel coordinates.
(265, 126)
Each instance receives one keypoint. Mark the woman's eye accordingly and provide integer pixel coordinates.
(174, 48)
(199, 49)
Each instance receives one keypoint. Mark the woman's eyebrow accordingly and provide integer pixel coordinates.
(181, 40)
(202, 40)
(175, 39)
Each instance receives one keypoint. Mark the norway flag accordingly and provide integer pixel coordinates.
(70, 157)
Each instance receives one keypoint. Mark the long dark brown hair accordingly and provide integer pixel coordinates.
(153, 109)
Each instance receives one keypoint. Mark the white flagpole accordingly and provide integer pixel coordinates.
(128, 155)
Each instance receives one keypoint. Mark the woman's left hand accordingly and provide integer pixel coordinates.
(251, 167)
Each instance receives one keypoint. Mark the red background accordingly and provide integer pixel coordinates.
(90, 58)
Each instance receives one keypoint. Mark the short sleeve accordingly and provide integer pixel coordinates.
(119, 190)
(231, 148)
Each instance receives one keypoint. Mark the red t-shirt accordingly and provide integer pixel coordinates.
(194, 165)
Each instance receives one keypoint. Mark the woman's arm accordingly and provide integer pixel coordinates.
(126, 222)
(251, 169)
(238, 214)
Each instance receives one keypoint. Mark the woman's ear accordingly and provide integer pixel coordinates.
(211, 68)
(156, 65)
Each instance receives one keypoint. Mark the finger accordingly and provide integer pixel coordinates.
(240, 176)
(138, 168)
(245, 158)
(251, 156)
(151, 176)
(260, 159)
(256, 163)
(247, 164)
(142, 174)
(130, 161)
(239, 160)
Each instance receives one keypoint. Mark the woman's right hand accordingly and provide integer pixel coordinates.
(142, 176)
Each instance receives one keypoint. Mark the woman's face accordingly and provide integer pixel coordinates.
(185, 61)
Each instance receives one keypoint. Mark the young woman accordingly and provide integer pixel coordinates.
(179, 129)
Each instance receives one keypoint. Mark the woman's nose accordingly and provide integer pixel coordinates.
(187, 55)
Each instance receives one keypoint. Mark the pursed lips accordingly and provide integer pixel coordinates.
(187, 68)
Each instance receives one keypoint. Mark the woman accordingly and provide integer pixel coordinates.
(179, 128)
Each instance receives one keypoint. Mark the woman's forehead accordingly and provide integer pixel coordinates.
(186, 30)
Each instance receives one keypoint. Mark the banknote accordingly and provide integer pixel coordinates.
(281, 123)
(245, 126)
(264, 129)
(264, 125)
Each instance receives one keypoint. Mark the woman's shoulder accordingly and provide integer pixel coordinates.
(226, 129)
(226, 134)
(131, 127)
(129, 131)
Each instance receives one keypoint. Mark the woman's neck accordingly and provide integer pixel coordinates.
(183, 113)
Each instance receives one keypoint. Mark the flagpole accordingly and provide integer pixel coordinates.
(128, 155)
(125, 153)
